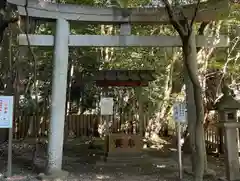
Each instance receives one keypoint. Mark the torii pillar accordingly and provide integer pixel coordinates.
(56, 134)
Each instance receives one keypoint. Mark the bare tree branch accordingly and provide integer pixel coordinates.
(184, 23)
(201, 32)
(173, 19)
(195, 13)
(27, 29)
(202, 28)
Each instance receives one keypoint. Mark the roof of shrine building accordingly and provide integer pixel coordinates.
(120, 77)
(125, 75)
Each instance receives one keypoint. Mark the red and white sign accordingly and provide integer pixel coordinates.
(6, 111)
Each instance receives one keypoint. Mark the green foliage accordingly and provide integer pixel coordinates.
(87, 60)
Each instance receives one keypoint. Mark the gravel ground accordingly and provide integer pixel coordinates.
(85, 165)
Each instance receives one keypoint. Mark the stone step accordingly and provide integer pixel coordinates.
(134, 159)
(127, 159)
(123, 163)
(127, 155)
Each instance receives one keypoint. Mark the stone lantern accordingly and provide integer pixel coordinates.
(227, 108)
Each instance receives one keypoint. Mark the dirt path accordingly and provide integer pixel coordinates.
(86, 165)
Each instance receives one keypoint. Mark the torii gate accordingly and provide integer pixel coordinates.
(63, 13)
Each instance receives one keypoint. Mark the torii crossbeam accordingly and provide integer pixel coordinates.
(123, 41)
(208, 11)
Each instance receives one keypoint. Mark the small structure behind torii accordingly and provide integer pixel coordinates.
(62, 13)
(119, 142)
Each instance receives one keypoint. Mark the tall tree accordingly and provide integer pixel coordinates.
(7, 16)
(184, 27)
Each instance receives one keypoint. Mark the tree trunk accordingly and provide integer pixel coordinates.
(8, 74)
(68, 99)
(194, 101)
(140, 111)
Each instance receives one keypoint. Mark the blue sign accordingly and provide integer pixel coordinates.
(179, 112)
(6, 111)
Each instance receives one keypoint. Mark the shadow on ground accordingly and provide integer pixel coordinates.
(86, 164)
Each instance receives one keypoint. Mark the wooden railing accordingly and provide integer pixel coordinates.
(88, 125)
(77, 125)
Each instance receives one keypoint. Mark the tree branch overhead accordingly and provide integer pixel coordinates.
(173, 19)
(195, 13)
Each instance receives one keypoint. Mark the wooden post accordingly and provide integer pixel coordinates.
(106, 120)
(140, 112)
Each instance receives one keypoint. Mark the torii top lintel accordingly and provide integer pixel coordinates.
(208, 11)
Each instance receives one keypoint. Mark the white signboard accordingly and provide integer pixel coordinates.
(179, 112)
(6, 111)
(106, 105)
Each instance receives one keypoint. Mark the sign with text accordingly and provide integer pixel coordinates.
(6, 111)
(106, 105)
(179, 112)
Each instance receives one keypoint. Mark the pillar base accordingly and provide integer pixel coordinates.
(15, 177)
(125, 159)
(225, 179)
(60, 174)
(209, 173)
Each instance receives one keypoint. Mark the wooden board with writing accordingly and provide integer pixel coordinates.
(123, 143)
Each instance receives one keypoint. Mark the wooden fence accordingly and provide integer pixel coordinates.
(77, 125)
(214, 140)
(88, 125)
